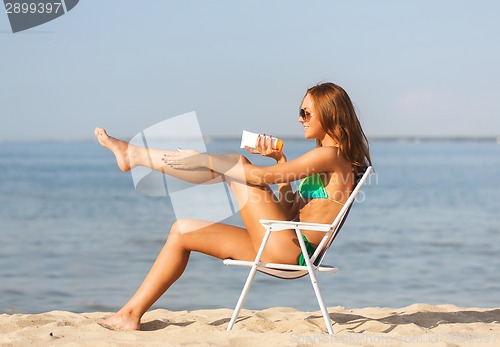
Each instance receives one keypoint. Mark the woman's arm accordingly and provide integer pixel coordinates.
(321, 159)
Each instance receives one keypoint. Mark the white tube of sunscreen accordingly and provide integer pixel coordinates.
(250, 139)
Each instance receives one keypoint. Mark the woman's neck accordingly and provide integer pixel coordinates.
(327, 141)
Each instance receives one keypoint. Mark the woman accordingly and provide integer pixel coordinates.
(329, 173)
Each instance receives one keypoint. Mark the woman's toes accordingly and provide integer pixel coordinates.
(118, 147)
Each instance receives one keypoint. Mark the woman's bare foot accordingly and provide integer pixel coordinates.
(118, 147)
(120, 322)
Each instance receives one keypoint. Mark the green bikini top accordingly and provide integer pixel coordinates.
(312, 187)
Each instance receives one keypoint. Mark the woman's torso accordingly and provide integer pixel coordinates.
(338, 186)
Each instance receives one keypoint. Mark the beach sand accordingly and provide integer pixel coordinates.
(415, 325)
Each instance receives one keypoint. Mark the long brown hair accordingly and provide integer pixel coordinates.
(339, 120)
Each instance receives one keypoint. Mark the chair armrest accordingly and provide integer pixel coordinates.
(276, 225)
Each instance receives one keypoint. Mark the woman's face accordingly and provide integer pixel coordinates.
(311, 123)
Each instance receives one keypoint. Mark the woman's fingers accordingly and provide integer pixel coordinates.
(264, 147)
(183, 159)
(172, 160)
(259, 142)
(267, 147)
(168, 160)
(251, 150)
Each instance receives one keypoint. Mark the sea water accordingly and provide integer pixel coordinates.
(75, 234)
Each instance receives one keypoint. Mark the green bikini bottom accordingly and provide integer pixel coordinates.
(310, 251)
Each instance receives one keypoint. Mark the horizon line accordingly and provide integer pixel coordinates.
(383, 138)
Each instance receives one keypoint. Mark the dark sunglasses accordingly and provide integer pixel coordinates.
(304, 115)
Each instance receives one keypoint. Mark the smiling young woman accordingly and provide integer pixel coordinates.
(334, 110)
(328, 173)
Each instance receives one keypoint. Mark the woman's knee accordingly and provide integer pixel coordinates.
(177, 235)
(183, 226)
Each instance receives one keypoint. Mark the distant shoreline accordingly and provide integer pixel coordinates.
(394, 139)
(424, 139)
(400, 139)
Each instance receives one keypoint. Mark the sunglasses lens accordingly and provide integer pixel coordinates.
(302, 114)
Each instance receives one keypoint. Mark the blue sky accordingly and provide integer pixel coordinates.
(423, 68)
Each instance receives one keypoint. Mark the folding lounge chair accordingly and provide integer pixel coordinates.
(313, 265)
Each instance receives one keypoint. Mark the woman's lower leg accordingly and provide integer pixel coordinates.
(168, 267)
(130, 156)
(215, 239)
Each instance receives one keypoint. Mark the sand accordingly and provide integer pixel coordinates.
(415, 325)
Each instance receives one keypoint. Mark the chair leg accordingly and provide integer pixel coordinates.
(243, 296)
(321, 303)
(312, 275)
(249, 281)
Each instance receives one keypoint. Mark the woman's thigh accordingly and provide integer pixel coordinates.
(216, 239)
(258, 203)
(225, 241)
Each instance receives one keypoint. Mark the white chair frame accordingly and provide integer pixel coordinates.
(288, 271)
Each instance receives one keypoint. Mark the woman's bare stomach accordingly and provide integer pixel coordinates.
(321, 211)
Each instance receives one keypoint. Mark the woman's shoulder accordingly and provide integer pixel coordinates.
(321, 159)
(337, 162)
(325, 154)
(327, 151)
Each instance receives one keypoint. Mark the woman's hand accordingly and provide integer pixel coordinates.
(185, 159)
(265, 149)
